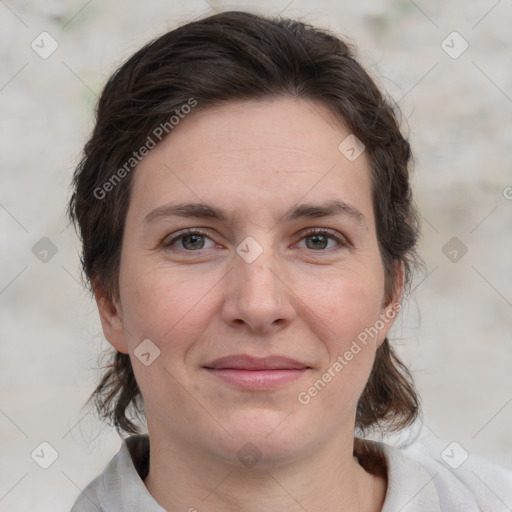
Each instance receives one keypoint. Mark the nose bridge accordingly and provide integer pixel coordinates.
(259, 279)
(257, 271)
(258, 296)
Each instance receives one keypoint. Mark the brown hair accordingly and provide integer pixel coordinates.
(221, 58)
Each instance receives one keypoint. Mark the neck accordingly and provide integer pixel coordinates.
(182, 477)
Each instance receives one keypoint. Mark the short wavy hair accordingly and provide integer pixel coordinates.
(236, 56)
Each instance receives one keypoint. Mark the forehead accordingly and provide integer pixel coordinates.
(267, 152)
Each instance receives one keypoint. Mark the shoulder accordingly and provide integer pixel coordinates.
(121, 485)
(424, 477)
(89, 498)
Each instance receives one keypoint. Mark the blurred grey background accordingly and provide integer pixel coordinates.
(449, 67)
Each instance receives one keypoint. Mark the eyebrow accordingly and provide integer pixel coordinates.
(297, 212)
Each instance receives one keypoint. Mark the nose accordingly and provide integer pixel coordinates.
(258, 297)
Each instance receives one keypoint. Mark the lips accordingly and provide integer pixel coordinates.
(245, 362)
(249, 373)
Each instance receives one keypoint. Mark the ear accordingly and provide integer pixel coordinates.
(391, 305)
(111, 319)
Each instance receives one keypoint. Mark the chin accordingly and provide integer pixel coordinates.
(262, 439)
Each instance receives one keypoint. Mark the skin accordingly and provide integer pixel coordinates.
(303, 297)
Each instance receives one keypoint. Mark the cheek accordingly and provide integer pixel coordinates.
(350, 308)
(169, 309)
(347, 302)
(172, 311)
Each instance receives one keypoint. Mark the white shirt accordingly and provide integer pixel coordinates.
(417, 482)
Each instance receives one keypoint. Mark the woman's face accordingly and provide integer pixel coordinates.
(250, 236)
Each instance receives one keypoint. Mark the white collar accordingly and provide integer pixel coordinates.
(417, 482)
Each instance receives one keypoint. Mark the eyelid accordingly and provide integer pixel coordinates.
(342, 240)
(174, 237)
(338, 237)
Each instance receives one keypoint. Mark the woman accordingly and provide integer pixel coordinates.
(248, 232)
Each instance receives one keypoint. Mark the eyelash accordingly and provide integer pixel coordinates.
(342, 241)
